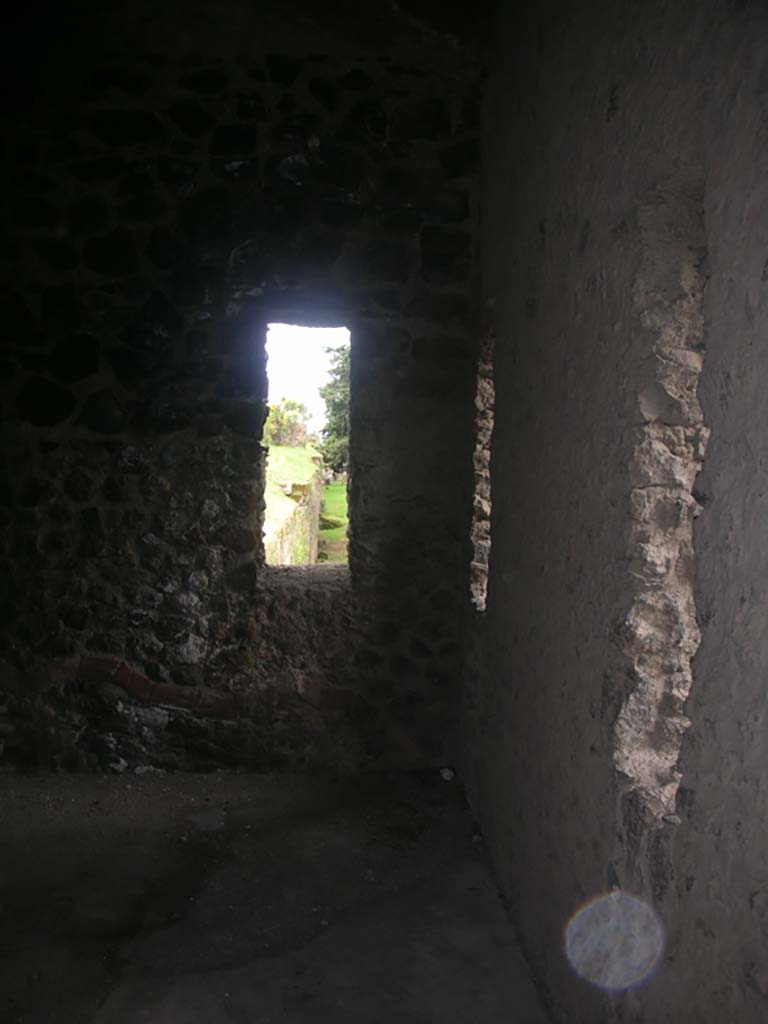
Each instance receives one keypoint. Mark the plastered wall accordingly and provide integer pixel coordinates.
(625, 246)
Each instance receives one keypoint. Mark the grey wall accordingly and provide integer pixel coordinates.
(626, 238)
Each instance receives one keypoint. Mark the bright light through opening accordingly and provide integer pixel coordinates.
(298, 364)
(306, 435)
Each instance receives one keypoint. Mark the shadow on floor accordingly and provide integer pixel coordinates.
(201, 899)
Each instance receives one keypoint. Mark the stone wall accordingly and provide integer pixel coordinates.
(182, 176)
(100, 713)
(615, 697)
(295, 541)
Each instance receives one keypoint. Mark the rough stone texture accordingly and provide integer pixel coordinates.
(661, 634)
(181, 178)
(282, 705)
(481, 505)
(626, 167)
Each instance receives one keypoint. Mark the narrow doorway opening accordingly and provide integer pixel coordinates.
(307, 437)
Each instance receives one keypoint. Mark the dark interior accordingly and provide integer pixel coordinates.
(541, 677)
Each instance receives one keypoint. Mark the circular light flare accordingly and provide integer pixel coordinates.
(615, 941)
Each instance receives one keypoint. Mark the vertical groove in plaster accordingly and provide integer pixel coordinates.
(660, 633)
(481, 505)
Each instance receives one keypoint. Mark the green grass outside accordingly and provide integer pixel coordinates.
(333, 523)
(291, 465)
(335, 501)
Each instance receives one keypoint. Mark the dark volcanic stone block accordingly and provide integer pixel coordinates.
(9, 245)
(326, 92)
(340, 167)
(138, 182)
(102, 413)
(379, 300)
(162, 417)
(445, 256)
(127, 128)
(234, 140)
(236, 168)
(401, 183)
(396, 216)
(192, 285)
(92, 543)
(103, 169)
(384, 259)
(250, 107)
(448, 207)
(78, 485)
(35, 492)
(143, 209)
(9, 612)
(356, 80)
(461, 159)
(157, 322)
(57, 253)
(340, 214)
(75, 357)
(113, 254)
(207, 81)
(237, 538)
(206, 216)
(61, 309)
(19, 324)
(164, 248)
(367, 119)
(35, 212)
(245, 418)
(177, 175)
(294, 169)
(87, 216)
(191, 118)
(442, 307)
(34, 361)
(44, 403)
(74, 616)
(30, 181)
(126, 80)
(283, 68)
(471, 110)
(299, 125)
(113, 490)
(128, 366)
(318, 248)
(425, 119)
(243, 578)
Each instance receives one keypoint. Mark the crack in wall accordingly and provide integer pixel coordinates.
(660, 633)
(481, 458)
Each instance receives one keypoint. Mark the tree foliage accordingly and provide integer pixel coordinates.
(335, 394)
(287, 424)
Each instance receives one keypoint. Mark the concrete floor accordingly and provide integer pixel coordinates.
(258, 899)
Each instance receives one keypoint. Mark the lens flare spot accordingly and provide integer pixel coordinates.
(615, 941)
